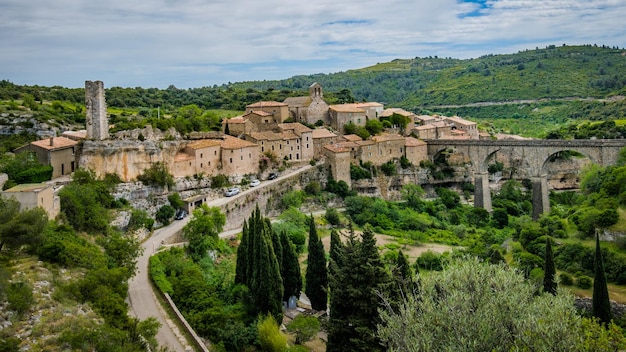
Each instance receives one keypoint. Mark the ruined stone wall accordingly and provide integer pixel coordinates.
(96, 119)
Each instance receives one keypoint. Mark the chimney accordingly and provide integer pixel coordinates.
(51, 141)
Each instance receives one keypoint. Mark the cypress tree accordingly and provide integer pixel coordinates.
(601, 306)
(276, 243)
(549, 285)
(336, 252)
(290, 270)
(242, 256)
(258, 269)
(355, 290)
(316, 272)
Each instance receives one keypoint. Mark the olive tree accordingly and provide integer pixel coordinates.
(475, 306)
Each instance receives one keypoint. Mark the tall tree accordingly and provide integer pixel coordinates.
(601, 305)
(242, 256)
(316, 271)
(549, 271)
(290, 269)
(202, 231)
(258, 268)
(336, 251)
(356, 288)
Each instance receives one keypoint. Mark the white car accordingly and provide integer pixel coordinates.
(255, 183)
(232, 192)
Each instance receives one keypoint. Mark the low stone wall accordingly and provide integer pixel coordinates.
(196, 339)
(584, 304)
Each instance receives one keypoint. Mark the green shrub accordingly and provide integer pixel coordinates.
(565, 279)
(584, 282)
(219, 181)
(157, 175)
(20, 297)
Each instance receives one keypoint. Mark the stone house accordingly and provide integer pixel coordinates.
(311, 108)
(306, 138)
(338, 157)
(239, 157)
(415, 150)
(198, 157)
(397, 111)
(278, 111)
(433, 130)
(388, 147)
(58, 152)
(284, 145)
(321, 137)
(342, 114)
(461, 124)
(33, 195)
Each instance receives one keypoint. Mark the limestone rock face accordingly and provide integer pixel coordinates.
(125, 157)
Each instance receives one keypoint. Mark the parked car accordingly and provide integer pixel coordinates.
(180, 214)
(255, 183)
(272, 176)
(233, 191)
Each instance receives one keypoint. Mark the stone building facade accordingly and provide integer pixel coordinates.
(309, 109)
(33, 195)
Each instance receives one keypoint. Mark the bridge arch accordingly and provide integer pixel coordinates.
(533, 155)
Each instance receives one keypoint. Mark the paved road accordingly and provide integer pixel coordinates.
(142, 300)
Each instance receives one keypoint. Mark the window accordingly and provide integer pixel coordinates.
(262, 149)
(201, 165)
(242, 157)
(287, 142)
(249, 155)
(215, 153)
(201, 155)
(231, 160)
(307, 146)
(307, 138)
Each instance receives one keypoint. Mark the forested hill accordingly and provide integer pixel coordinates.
(553, 72)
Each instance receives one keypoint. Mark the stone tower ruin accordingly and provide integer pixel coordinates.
(97, 122)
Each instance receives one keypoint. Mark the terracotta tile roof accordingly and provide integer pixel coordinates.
(337, 148)
(371, 104)
(295, 126)
(236, 119)
(182, 157)
(273, 136)
(364, 143)
(261, 104)
(204, 143)
(425, 127)
(298, 101)
(57, 143)
(346, 108)
(459, 121)
(352, 137)
(387, 137)
(258, 112)
(390, 111)
(231, 142)
(322, 133)
(413, 142)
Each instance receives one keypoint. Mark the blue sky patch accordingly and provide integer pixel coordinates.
(480, 8)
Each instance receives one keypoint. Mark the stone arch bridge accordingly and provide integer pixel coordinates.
(533, 155)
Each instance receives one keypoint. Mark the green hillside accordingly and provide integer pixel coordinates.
(532, 92)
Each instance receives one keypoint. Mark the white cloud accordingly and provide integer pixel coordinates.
(192, 43)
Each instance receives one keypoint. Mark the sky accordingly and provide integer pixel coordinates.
(198, 43)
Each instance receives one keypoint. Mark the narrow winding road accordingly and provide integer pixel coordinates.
(142, 299)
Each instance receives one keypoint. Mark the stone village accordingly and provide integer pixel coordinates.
(267, 129)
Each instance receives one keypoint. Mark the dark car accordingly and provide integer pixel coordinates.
(180, 214)
(272, 176)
